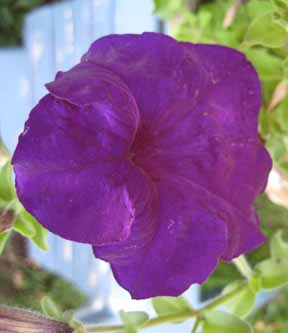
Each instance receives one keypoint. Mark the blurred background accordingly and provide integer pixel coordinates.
(40, 37)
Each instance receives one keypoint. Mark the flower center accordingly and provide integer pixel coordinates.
(143, 148)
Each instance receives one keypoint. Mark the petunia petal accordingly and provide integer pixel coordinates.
(152, 65)
(231, 174)
(170, 79)
(72, 160)
(185, 248)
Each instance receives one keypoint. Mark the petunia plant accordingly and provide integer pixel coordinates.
(149, 151)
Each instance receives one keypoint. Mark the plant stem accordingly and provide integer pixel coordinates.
(224, 298)
(196, 325)
(180, 316)
(115, 328)
(243, 266)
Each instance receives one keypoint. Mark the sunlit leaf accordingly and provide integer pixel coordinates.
(242, 304)
(272, 216)
(222, 322)
(7, 191)
(273, 272)
(50, 308)
(67, 316)
(259, 7)
(264, 31)
(268, 66)
(169, 9)
(280, 5)
(40, 236)
(168, 305)
(133, 320)
(24, 227)
(278, 247)
(4, 236)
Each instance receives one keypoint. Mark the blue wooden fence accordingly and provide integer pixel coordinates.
(55, 38)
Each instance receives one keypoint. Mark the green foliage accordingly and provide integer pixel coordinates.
(221, 322)
(133, 320)
(23, 284)
(273, 272)
(273, 217)
(12, 14)
(268, 65)
(50, 308)
(7, 191)
(168, 9)
(4, 236)
(20, 220)
(39, 235)
(266, 31)
(242, 304)
(278, 246)
(273, 317)
(170, 305)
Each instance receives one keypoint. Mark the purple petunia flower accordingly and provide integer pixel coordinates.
(148, 150)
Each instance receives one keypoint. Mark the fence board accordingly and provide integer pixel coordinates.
(39, 41)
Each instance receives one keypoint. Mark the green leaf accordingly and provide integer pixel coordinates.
(255, 284)
(133, 320)
(24, 227)
(259, 7)
(50, 308)
(169, 305)
(4, 236)
(222, 322)
(68, 316)
(272, 216)
(273, 273)
(280, 5)
(242, 304)
(264, 31)
(169, 9)
(40, 236)
(268, 66)
(7, 191)
(278, 247)
(285, 68)
(77, 326)
(281, 113)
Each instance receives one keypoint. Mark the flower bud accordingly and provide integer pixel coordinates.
(15, 320)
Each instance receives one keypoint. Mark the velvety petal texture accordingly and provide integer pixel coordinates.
(148, 150)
